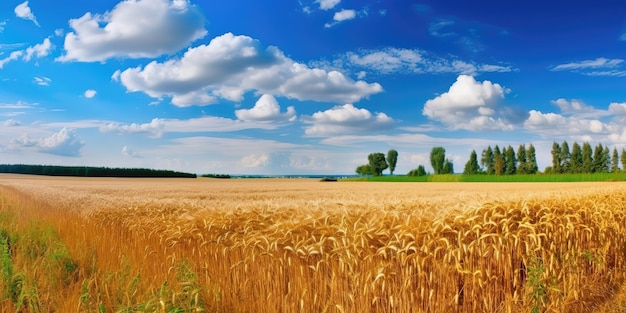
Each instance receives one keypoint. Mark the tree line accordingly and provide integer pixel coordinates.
(585, 159)
(509, 161)
(505, 161)
(87, 171)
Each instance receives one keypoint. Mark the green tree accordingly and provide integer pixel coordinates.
(378, 163)
(438, 159)
(587, 158)
(556, 157)
(472, 167)
(448, 167)
(623, 159)
(487, 161)
(498, 161)
(615, 161)
(392, 159)
(364, 169)
(511, 161)
(565, 158)
(532, 160)
(599, 159)
(522, 164)
(606, 157)
(576, 159)
(419, 171)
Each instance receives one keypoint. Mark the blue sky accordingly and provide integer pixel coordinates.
(304, 87)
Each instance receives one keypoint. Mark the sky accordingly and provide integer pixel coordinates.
(304, 86)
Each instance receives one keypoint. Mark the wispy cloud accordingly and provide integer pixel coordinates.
(42, 81)
(392, 60)
(597, 67)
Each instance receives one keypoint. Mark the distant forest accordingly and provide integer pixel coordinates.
(87, 171)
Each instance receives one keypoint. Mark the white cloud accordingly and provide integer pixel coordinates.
(345, 119)
(411, 61)
(578, 108)
(42, 81)
(266, 109)
(327, 4)
(90, 93)
(154, 128)
(134, 29)
(556, 124)
(618, 109)
(63, 143)
(12, 57)
(343, 15)
(231, 65)
(129, 153)
(255, 160)
(2, 24)
(159, 126)
(471, 105)
(589, 64)
(23, 11)
(38, 50)
(11, 123)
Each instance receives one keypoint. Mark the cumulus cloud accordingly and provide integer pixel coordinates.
(63, 143)
(231, 65)
(134, 29)
(255, 160)
(579, 108)
(557, 124)
(327, 4)
(345, 119)
(90, 93)
(618, 108)
(472, 105)
(341, 16)
(23, 11)
(38, 50)
(266, 109)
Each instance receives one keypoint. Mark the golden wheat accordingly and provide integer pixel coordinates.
(306, 246)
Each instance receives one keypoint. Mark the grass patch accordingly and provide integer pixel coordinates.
(530, 178)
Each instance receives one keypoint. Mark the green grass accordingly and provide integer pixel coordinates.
(536, 178)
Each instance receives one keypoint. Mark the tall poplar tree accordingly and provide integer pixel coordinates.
(511, 161)
(587, 158)
(522, 164)
(565, 158)
(532, 160)
(556, 157)
(615, 161)
(576, 160)
(488, 161)
(472, 167)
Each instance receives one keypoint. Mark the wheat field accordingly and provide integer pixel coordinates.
(300, 245)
